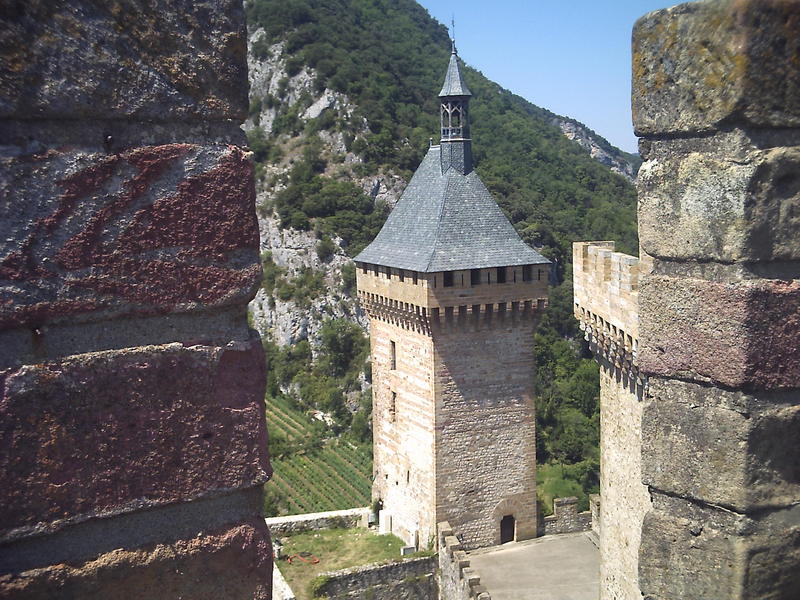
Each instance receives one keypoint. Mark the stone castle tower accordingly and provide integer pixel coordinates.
(452, 294)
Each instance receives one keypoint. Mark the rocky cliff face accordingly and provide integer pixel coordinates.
(597, 147)
(292, 251)
(287, 321)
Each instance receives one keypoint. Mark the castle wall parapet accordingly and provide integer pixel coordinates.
(281, 590)
(333, 519)
(457, 579)
(566, 518)
(606, 303)
(421, 301)
(398, 580)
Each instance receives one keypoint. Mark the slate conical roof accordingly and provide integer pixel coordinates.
(453, 80)
(447, 222)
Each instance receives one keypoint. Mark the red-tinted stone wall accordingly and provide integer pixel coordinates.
(131, 387)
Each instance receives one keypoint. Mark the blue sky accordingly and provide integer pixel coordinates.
(571, 57)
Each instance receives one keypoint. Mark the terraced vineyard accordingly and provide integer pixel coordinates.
(315, 474)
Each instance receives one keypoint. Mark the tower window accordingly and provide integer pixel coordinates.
(501, 274)
(540, 274)
(447, 276)
(393, 407)
(527, 273)
(394, 355)
(415, 278)
(375, 270)
(475, 277)
(402, 275)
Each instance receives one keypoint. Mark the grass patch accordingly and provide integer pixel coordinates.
(336, 549)
(553, 481)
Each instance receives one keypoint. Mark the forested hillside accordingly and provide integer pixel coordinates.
(383, 62)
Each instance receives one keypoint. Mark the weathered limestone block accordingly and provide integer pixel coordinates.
(690, 550)
(715, 95)
(701, 65)
(725, 448)
(737, 334)
(112, 432)
(145, 59)
(230, 563)
(719, 198)
(152, 230)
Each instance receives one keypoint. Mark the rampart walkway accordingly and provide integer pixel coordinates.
(558, 567)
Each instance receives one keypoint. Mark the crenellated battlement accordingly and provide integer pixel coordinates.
(479, 300)
(606, 302)
(472, 316)
(458, 579)
(451, 289)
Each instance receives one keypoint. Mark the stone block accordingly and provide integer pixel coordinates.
(703, 65)
(720, 199)
(162, 424)
(234, 563)
(694, 551)
(153, 230)
(736, 334)
(152, 60)
(724, 448)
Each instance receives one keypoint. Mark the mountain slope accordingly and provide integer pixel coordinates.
(388, 58)
(343, 105)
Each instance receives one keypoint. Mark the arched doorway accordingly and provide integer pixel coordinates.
(507, 526)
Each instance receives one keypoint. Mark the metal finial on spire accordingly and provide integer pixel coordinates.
(453, 33)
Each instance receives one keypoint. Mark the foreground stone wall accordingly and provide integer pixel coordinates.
(716, 101)
(606, 304)
(134, 441)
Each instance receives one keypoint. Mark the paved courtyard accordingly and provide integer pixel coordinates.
(558, 567)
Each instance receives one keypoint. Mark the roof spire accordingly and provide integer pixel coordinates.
(453, 80)
(456, 148)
